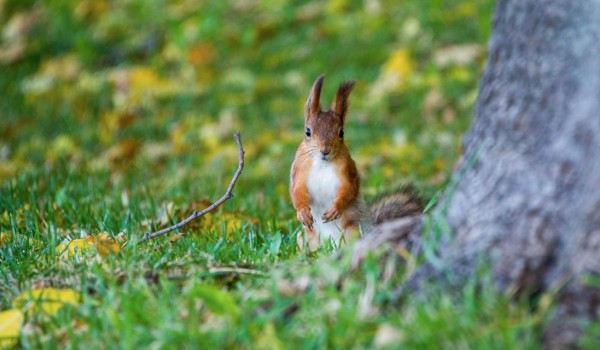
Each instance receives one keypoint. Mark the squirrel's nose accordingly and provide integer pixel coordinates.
(325, 151)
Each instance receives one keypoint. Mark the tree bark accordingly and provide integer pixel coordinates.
(526, 196)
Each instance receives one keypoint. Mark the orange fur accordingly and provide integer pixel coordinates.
(298, 180)
(349, 189)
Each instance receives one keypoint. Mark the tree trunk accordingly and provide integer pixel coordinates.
(527, 192)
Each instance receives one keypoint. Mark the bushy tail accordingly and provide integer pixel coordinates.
(405, 201)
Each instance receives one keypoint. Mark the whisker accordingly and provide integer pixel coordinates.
(310, 151)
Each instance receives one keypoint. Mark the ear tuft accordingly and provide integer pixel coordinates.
(341, 102)
(313, 105)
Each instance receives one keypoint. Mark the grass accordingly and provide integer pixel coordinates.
(118, 117)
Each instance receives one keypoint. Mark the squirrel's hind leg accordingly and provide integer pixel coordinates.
(350, 233)
(350, 229)
(310, 237)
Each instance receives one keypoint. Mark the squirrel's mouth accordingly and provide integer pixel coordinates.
(325, 157)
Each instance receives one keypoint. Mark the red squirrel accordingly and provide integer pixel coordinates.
(324, 181)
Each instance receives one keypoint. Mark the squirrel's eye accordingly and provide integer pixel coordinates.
(307, 132)
(342, 133)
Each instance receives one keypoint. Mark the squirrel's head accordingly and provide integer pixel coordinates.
(324, 130)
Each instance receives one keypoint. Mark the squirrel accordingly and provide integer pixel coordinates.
(324, 180)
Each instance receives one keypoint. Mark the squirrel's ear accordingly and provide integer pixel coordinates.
(341, 102)
(313, 103)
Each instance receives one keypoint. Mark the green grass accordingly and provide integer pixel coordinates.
(120, 114)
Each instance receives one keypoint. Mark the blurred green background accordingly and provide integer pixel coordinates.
(153, 86)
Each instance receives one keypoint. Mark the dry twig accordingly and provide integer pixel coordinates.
(195, 215)
(236, 270)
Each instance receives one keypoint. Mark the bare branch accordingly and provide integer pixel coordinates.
(236, 270)
(195, 215)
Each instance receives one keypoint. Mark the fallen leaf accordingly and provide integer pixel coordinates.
(449, 115)
(267, 338)
(46, 300)
(202, 204)
(156, 152)
(19, 216)
(460, 55)
(145, 81)
(434, 100)
(400, 65)
(144, 78)
(166, 213)
(90, 9)
(76, 249)
(112, 122)
(404, 253)
(105, 244)
(4, 237)
(63, 146)
(465, 10)
(88, 246)
(123, 152)
(11, 322)
(201, 54)
(176, 237)
(66, 67)
(298, 286)
(231, 221)
(15, 34)
(387, 335)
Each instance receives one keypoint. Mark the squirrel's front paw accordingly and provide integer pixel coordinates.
(331, 214)
(305, 217)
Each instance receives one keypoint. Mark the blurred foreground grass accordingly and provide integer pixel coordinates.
(117, 117)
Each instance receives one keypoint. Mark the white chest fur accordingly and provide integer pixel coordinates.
(323, 185)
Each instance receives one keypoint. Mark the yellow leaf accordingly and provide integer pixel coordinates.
(176, 237)
(201, 54)
(83, 247)
(8, 169)
(19, 216)
(464, 10)
(90, 9)
(5, 218)
(143, 78)
(388, 171)
(105, 244)
(10, 327)
(114, 121)
(267, 338)
(438, 164)
(77, 248)
(46, 300)
(400, 65)
(66, 67)
(230, 221)
(404, 253)
(337, 6)
(4, 237)
(62, 146)
(460, 74)
(122, 153)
